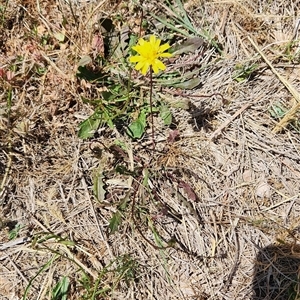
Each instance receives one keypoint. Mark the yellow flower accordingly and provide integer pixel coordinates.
(149, 54)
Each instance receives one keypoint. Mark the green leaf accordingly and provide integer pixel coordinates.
(60, 291)
(14, 232)
(146, 177)
(244, 72)
(115, 222)
(189, 84)
(137, 128)
(93, 102)
(41, 270)
(121, 144)
(88, 126)
(86, 73)
(176, 78)
(124, 171)
(67, 243)
(108, 117)
(189, 45)
(277, 110)
(166, 115)
(157, 237)
(181, 103)
(132, 40)
(98, 185)
(123, 205)
(116, 219)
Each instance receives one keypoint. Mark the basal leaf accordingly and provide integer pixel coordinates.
(166, 115)
(189, 84)
(137, 128)
(88, 126)
(115, 222)
(84, 72)
(60, 36)
(189, 45)
(98, 186)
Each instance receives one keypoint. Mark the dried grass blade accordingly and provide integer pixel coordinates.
(291, 113)
(290, 88)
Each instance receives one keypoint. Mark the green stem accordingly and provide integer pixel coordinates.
(151, 108)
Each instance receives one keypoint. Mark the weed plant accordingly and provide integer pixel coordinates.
(129, 70)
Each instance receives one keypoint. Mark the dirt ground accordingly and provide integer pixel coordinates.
(212, 213)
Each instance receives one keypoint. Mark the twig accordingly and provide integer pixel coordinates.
(14, 242)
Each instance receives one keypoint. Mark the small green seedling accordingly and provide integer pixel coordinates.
(14, 232)
(244, 72)
(60, 291)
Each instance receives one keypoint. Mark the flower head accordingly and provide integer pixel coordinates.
(149, 54)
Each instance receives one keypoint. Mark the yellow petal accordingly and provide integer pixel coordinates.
(155, 68)
(139, 49)
(144, 52)
(145, 68)
(158, 64)
(164, 47)
(152, 39)
(135, 58)
(135, 48)
(165, 54)
(139, 65)
(155, 43)
(141, 41)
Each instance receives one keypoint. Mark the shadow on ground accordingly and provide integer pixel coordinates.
(277, 273)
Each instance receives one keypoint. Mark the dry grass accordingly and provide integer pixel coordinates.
(220, 216)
